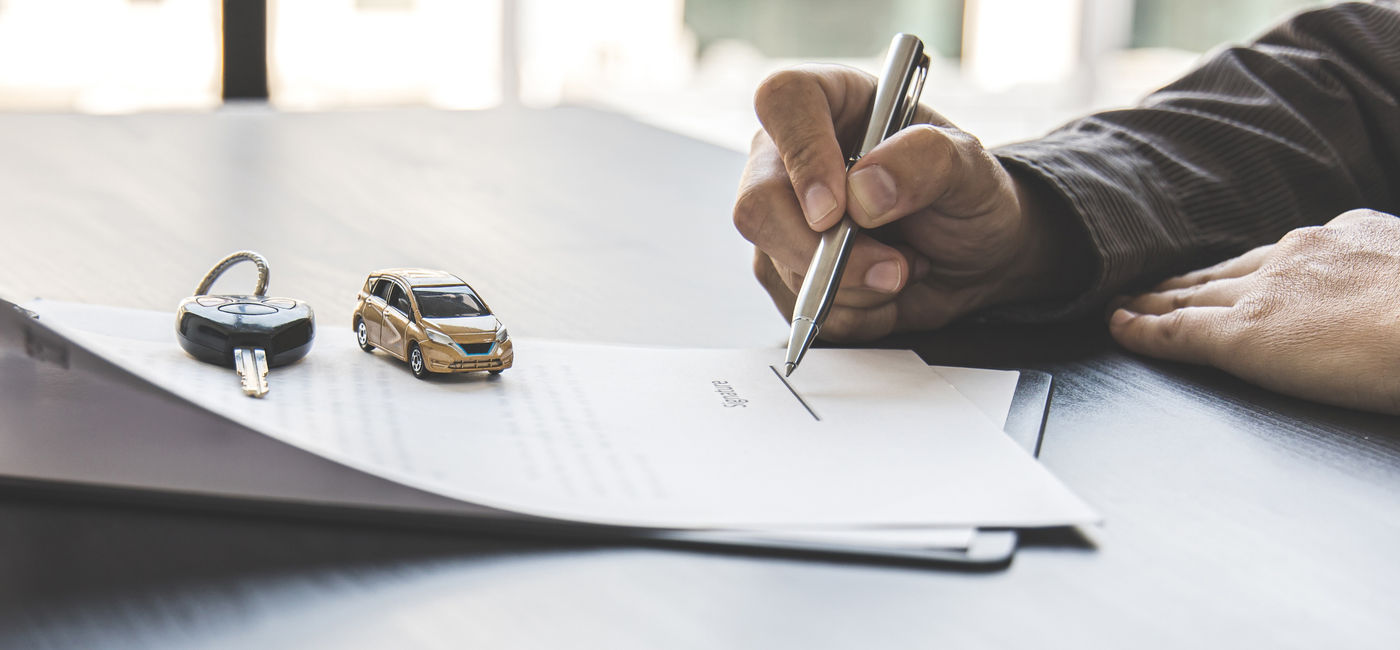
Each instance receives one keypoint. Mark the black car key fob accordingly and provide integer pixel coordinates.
(248, 332)
(210, 328)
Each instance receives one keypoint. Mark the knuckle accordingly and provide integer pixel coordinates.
(769, 276)
(1303, 237)
(1182, 297)
(776, 88)
(1173, 324)
(1253, 308)
(1250, 308)
(1258, 303)
(759, 141)
(966, 140)
(937, 151)
(1359, 214)
(751, 210)
(1210, 272)
(1195, 278)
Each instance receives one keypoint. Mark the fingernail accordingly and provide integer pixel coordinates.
(1120, 317)
(883, 276)
(817, 203)
(873, 187)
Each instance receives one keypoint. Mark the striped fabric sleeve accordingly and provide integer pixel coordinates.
(1292, 130)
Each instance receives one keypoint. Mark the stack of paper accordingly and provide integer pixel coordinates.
(858, 447)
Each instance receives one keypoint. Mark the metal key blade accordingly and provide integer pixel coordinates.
(251, 364)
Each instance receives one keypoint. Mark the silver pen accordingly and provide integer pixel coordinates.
(896, 99)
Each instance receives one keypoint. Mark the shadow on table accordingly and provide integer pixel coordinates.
(53, 548)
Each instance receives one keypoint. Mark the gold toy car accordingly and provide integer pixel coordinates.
(432, 320)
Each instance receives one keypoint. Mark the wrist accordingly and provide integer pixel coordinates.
(1056, 259)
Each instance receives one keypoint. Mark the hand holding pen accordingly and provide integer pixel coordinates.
(948, 230)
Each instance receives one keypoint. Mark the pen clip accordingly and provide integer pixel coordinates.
(897, 92)
(909, 103)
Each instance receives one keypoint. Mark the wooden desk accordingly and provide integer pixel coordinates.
(1236, 518)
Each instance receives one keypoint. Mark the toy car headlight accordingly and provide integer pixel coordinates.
(502, 335)
(438, 337)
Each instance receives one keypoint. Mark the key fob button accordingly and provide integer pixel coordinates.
(211, 301)
(280, 303)
(248, 309)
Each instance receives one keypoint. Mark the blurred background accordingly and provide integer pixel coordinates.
(1003, 69)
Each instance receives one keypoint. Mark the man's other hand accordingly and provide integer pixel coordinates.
(1316, 315)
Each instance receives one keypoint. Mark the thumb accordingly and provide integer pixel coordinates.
(924, 166)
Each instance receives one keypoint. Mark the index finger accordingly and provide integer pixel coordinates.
(802, 109)
(1190, 334)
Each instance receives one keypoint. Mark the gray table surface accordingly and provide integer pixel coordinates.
(1235, 518)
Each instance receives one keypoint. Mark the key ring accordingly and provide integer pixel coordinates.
(224, 264)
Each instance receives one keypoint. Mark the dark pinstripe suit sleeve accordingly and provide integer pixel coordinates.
(1294, 129)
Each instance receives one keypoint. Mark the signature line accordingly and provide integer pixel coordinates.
(792, 390)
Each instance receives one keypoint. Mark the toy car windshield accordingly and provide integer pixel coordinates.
(449, 302)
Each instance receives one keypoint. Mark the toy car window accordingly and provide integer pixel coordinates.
(449, 302)
(399, 300)
(381, 288)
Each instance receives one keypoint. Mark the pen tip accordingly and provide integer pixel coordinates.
(789, 368)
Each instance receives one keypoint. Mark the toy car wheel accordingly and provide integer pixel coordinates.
(496, 372)
(362, 336)
(416, 362)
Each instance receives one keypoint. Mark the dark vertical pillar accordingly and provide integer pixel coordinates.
(245, 49)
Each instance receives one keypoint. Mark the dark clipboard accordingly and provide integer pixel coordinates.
(52, 386)
(1030, 407)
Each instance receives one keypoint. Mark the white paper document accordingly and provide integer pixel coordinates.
(650, 437)
(991, 391)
